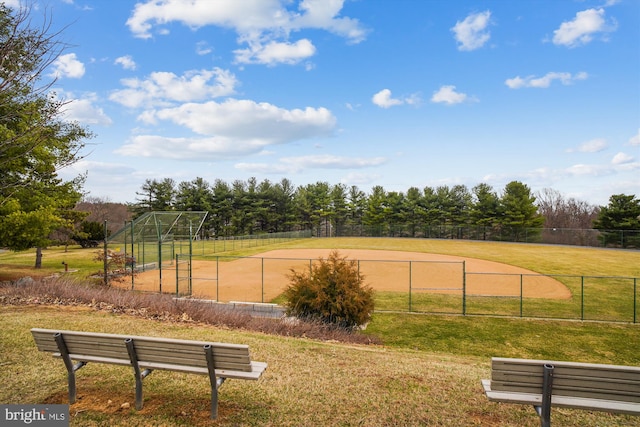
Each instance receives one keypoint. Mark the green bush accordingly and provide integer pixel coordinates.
(333, 291)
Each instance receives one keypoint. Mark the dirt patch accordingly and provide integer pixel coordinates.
(264, 276)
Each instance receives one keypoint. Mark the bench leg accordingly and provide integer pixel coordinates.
(140, 375)
(215, 382)
(547, 386)
(71, 368)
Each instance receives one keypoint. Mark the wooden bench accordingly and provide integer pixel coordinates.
(543, 384)
(145, 354)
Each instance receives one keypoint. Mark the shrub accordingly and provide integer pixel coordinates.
(117, 263)
(332, 291)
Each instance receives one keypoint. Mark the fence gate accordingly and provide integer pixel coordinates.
(183, 275)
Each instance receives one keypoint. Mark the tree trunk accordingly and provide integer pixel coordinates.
(38, 257)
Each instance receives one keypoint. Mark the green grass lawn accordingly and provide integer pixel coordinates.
(427, 373)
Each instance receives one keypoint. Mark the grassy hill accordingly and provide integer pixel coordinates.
(425, 372)
(308, 382)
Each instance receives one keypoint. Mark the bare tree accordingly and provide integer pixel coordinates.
(101, 210)
(560, 212)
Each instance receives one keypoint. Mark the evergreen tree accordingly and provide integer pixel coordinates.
(413, 211)
(222, 210)
(520, 217)
(35, 140)
(156, 196)
(620, 221)
(374, 216)
(339, 208)
(356, 205)
(485, 212)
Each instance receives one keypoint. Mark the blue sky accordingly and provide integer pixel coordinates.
(397, 93)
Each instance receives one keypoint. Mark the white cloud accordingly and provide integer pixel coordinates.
(203, 48)
(101, 168)
(383, 99)
(635, 140)
(591, 146)
(164, 88)
(67, 66)
(300, 163)
(85, 111)
(265, 25)
(204, 149)
(583, 28)
(274, 53)
(356, 178)
(545, 81)
(621, 158)
(588, 170)
(249, 120)
(230, 129)
(126, 62)
(620, 163)
(472, 33)
(448, 95)
(337, 162)
(323, 14)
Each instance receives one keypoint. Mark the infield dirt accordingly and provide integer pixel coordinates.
(262, 277)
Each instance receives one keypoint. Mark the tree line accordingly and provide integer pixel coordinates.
(252, 207)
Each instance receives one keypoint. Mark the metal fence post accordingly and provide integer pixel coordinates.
(177, 275)
(106, 274)
(133, 256)
(190, 269)
(521, 294)
(410, 286)
(581, 297)
(635, 300)
(464, 288)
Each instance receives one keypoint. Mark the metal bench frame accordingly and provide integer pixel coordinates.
(220, 361)
(543, 384)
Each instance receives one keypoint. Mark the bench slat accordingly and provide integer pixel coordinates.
(603, 387)
(256, 368)
(574, 391)
(219, 361)
(632, 388)
(584, 380)
(163, 351)
(585, 369)
(560, 401)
